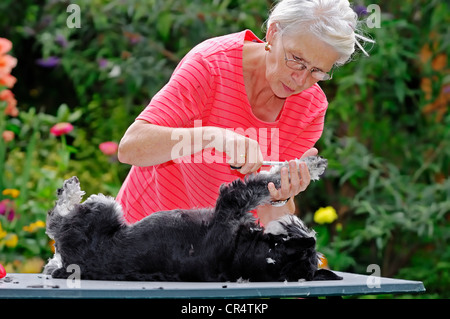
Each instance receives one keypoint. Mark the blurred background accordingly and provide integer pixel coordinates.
(74, 81)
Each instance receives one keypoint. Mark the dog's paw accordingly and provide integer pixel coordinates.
(69, 195)
(316, 166)
(70, 187)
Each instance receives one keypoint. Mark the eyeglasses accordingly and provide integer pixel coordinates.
(298, 65)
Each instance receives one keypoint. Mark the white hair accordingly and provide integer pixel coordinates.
(332, 21)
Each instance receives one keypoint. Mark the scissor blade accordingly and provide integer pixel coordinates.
(273, 163)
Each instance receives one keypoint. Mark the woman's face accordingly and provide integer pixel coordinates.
(305, 48)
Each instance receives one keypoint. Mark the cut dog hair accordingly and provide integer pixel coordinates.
(224, 243)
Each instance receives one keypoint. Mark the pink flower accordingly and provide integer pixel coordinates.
(108, 148)
(8, 136)
(7, 208)
(61, 129)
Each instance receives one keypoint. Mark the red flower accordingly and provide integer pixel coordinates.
(108, 148)
(61, 129)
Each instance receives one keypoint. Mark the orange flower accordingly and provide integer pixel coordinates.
(439, 63)
(5, 45)
(7, 63)
(8, 80)
(8, 97)
(323, 262)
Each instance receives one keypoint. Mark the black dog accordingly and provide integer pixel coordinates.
(220, 244)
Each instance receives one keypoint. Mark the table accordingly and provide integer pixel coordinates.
(16, 286)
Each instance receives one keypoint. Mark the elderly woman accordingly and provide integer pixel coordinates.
(235, 101)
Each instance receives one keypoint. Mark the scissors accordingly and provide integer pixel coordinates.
(264, 163)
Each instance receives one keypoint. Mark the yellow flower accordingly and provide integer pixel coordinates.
(34, 226)
(11, 240)
(325, 215)
(14, 193)
(33, 265)
(2, 232)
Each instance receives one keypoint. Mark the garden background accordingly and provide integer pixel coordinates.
(387, 130)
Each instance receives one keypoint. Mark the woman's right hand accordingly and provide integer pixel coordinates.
(241, 151)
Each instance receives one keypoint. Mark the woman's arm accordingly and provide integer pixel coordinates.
(145, 144)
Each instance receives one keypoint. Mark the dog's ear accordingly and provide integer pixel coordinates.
(300, 242)
(325, 274)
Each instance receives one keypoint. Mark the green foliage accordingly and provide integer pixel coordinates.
(386, 136)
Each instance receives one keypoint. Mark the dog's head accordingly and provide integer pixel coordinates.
(296, 249)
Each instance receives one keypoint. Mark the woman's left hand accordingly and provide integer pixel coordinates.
(298, 181)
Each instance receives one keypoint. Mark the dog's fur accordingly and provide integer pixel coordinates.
(224, 243)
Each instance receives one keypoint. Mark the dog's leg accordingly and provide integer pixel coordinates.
(68, 196)
(244, 196)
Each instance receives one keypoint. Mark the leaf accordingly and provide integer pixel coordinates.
(164, 24)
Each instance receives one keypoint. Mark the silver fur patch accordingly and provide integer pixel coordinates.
(316, 166)
(69, 197)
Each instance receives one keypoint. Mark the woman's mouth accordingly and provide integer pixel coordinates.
(287, 88)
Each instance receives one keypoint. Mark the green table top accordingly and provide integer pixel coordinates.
(18, 286)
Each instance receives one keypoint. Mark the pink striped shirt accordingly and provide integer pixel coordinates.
(207, 88)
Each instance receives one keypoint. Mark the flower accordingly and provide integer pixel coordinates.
(360, 10)
(61, 40)
(7, 63)
(34, 226)
(325, 215)
(8, 136)
(2, 232)
(32, 265)
(61, 129)
(2, 271)
(5, 45)
(102, 63)
(49, 62)
(14, 193)
(109, 148)
(7, 209)
(323, 261)
(11, 102)
(11, 240)
(8, 80)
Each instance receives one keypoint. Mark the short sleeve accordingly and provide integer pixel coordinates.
(183, 99)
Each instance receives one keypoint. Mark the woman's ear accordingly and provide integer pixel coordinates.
(271, 30)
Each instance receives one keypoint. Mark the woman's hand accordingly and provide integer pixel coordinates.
(298, 181)
(242, 152)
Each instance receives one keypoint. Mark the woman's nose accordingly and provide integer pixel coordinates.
(300, 77)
